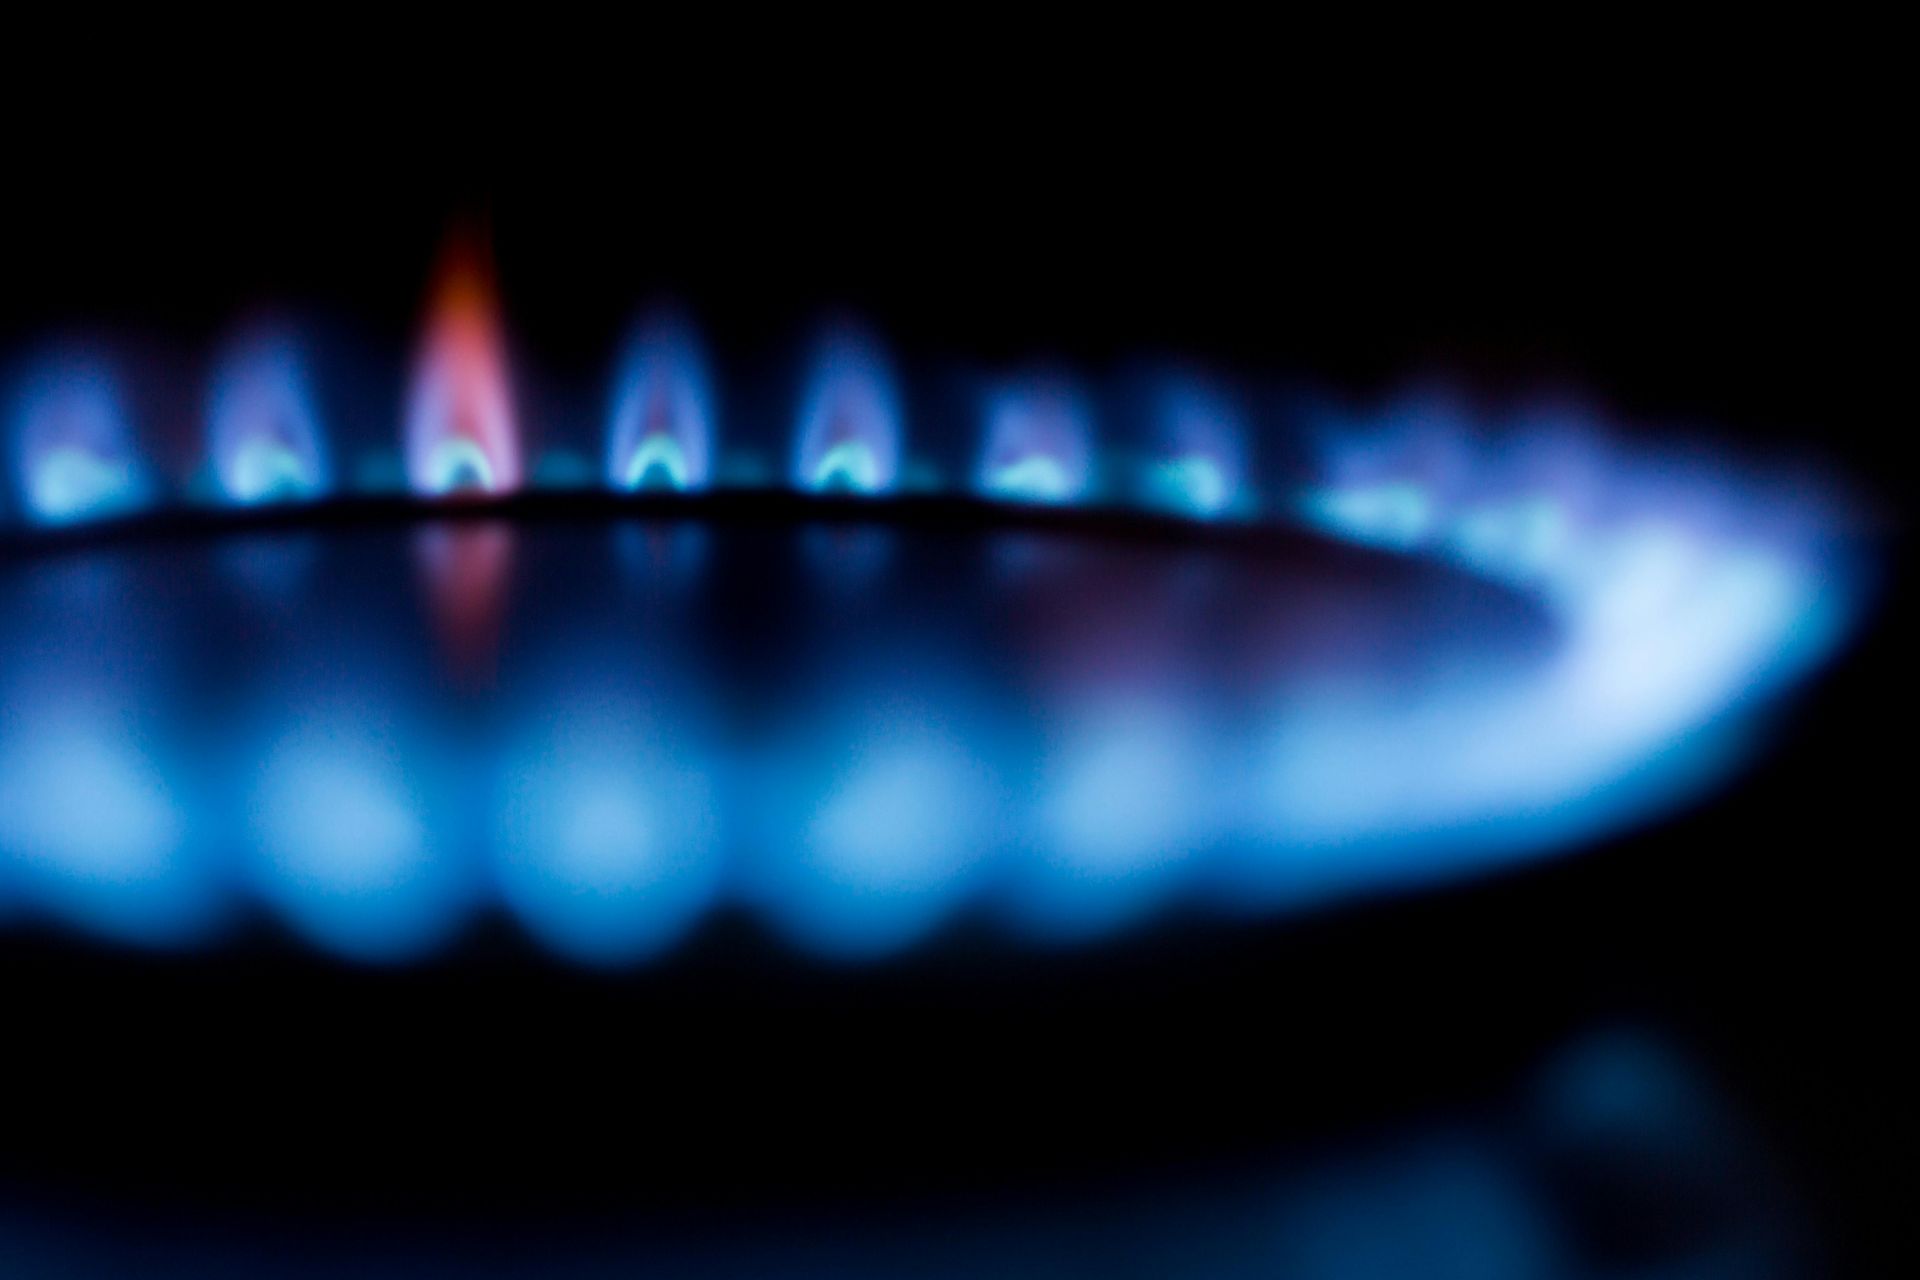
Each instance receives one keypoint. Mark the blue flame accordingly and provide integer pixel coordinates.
(1672, 623)
(1518, 539)
(662, 427)
(1396, 514)
(73, 454)
(849, 433)
(264, 433)
(1038, 443)
(1672, 592)
(1386, 477)
(1197, 463)
(458, 466)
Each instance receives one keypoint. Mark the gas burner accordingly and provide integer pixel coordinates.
(1073, 657)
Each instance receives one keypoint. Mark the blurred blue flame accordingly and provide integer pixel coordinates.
(1038, 445)
(662, 429)
(849, 431)
(74, 458)
(1397, 516)
(264, 432)
(1197, 463)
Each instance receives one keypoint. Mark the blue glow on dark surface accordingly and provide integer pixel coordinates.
(850, 426)
(74, 457)
(1122, 813)
(1446, 1207)
(91, 822)
(882, 854)
(1038, 443)
(662, 427)
(344, 849)
(1442, 1192)
(607, 848)
(263, 431)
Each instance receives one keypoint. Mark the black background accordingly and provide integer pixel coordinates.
(1712, 252)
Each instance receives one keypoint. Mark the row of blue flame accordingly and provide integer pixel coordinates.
(1684, 585)
(76, 456)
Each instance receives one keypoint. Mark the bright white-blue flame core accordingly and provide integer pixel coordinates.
(1682, 594)
(1038, 445)
(662, 427)
(74, 457)
(849, 433)
(264, 432)
(1196, 464)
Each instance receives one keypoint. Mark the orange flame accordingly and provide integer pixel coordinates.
(462, 433)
